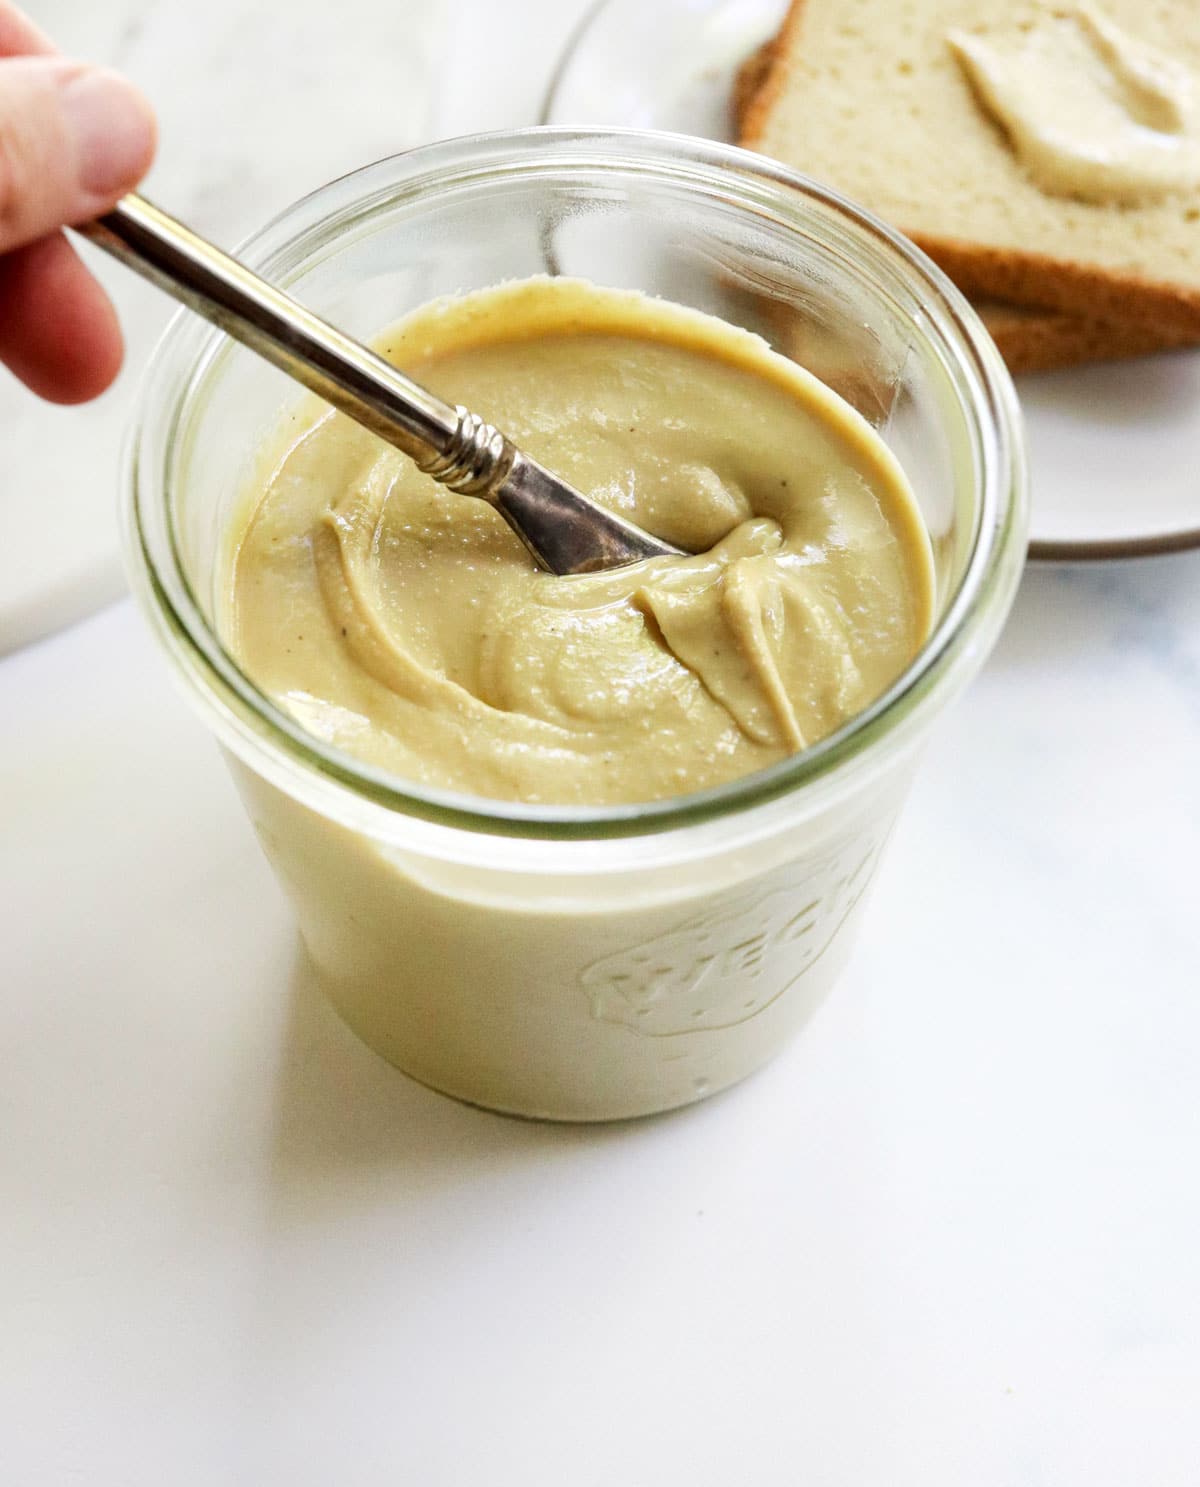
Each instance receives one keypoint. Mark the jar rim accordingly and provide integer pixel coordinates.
(253, 724)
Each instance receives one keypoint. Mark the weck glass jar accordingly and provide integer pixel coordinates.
(586, 964)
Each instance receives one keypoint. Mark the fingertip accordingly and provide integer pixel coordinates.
(58, 330)
(141, 123)
(74, 380)
(113, 131)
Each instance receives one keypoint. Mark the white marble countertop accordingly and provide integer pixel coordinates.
(951, 1236)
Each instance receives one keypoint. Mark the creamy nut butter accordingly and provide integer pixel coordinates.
(1090, 111)
(407, 625)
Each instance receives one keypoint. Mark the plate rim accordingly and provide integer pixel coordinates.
(1040, 549)
(1102, 549)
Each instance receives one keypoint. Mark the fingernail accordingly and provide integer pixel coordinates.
(112, 128)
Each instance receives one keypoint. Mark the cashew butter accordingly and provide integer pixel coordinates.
(406, 625)
(1089, 110)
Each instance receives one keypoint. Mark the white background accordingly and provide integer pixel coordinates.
(951, 1237)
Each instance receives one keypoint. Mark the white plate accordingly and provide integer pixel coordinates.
(1113, 449)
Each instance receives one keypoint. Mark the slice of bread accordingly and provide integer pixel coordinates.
(868, 96)
(1029, 339)
(1032, 340)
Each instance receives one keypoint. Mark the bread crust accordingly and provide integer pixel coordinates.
(773, 76)
(1044, 340)
(1018, 276)
(1052, 284)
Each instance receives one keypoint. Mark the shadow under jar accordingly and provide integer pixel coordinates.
(586, 964)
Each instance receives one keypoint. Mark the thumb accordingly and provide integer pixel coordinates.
(73, 139)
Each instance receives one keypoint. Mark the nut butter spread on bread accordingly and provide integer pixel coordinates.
(872, 97)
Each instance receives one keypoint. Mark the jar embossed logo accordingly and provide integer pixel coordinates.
(724, 967)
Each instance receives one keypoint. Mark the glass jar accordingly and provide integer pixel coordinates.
(586, 964)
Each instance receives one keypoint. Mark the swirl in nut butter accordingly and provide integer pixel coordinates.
(405, 625)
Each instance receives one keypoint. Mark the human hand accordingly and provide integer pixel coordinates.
(73, 139)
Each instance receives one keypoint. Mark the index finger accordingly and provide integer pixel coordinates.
(19, 37)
